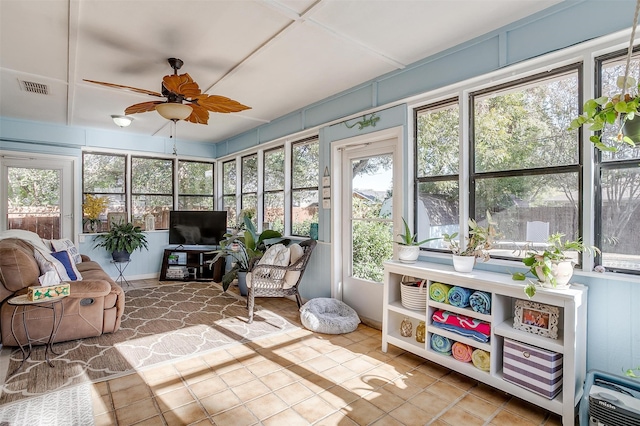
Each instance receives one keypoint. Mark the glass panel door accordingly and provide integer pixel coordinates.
(367, 223)
(35, 197)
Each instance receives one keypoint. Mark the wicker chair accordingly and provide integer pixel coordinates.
(269, 280)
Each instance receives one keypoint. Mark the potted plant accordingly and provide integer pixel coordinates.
(480, 240)
(552, 266)
(242, 245)
(617, 110)
(122, 240)
(409, 245)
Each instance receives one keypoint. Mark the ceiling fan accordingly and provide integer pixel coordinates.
(184, 100)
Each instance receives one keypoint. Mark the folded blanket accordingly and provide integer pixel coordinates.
(441, 344)
(468, 323)
(461, 352)
(472, 334)
(480, 302)
(481, 359)
(459, 296)
(438, 292)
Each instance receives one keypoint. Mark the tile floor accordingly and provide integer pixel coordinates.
(303, 378)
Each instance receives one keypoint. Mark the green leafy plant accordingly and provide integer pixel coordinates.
(409, 239)
(122, 237)
(540, 262)
(479, 241)
(243, 244)
(633, 372)
(613, 110)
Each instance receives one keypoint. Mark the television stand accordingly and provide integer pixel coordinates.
(195, 261)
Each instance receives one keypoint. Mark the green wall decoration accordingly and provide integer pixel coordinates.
(365, 122)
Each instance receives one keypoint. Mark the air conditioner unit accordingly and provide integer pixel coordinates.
(610, 400)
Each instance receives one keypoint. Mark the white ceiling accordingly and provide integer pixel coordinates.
(276, 56)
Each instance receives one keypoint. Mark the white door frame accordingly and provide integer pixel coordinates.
(67, 167)
(338, 182)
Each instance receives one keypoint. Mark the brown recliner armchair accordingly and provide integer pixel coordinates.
(95, 304)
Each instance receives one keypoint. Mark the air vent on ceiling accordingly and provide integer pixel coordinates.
(30, 86)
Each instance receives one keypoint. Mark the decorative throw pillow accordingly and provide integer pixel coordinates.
(67, 244)
(69, 265)
(291, 277)
(46, 262)
(277, 255)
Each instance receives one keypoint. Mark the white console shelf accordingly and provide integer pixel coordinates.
(504, 291)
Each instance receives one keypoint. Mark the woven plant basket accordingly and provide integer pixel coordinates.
(413, 293)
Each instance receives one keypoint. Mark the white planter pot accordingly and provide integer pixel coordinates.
(562, 271)
(408, 254)
(463, 263)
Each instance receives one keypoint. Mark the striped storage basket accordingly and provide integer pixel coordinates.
(533, 368)
(413, 293)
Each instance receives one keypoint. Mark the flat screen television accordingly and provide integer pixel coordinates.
(194, 227)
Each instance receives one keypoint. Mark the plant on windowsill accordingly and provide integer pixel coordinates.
(122, 240)
(551, 266)
(243, 244)
(619, 109)
(409, 245)
(480, 240)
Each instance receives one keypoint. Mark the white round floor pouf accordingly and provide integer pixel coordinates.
(329, 316)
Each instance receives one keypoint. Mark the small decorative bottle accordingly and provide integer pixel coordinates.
(420, 332)
(406, 328)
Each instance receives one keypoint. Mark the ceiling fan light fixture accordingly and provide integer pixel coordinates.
(121, 120)
(174, 111)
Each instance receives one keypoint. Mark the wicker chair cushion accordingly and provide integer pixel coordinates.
(291, 277)
(329, 316)
(278, 255)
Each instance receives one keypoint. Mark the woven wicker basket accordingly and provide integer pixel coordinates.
(413, 296)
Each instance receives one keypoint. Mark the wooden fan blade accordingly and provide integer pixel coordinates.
(129, 88)
(142, 107)
(199, 115)
(215, 103)
(181, 84)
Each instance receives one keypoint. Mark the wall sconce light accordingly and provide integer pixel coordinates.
(122, 120)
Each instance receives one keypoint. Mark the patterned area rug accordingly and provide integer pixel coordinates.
(160, 324)
(71, 407)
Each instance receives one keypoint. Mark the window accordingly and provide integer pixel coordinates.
(104, 175)
(249, 194)
(617, 182)
(273, 175)
(525, 166)
(151, 190)
(437, 163)
(229, 191)
(304, 185)
(195, 185)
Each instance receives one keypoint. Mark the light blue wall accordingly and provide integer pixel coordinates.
(20, 135)
(144, 263)
(614, 329)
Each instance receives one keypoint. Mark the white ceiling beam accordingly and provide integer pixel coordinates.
(72, 50)
(296, 19)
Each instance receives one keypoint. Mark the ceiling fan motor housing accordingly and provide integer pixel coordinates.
(176, 64)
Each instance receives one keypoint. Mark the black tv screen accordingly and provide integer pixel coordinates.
(195, 227)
